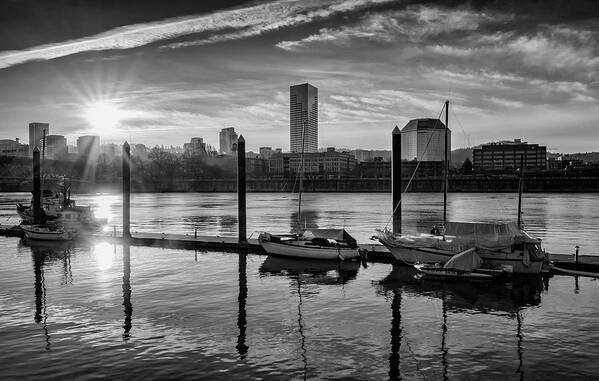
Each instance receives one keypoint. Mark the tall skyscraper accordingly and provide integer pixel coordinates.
(36, 134)
(303, 118)
(227, 137)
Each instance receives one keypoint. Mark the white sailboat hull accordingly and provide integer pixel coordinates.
(430, 255)
(300, 249)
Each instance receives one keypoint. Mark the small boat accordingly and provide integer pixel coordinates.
(312, 244)
(466, 266)
(47, 232)
(580, 269)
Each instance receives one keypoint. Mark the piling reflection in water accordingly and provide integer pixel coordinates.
(241, 347)
(394, 358)
(128, 307)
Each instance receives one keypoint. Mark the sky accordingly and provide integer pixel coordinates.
(157, 72)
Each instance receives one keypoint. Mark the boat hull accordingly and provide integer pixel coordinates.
(41, 235)
(299, 249)
(429, 255)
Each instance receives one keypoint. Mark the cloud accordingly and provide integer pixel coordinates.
(244, 22)
(414, 23)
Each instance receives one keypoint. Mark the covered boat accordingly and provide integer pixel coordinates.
(495, 243)
(312, 243)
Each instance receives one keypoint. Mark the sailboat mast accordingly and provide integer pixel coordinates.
(446, 166)
(301, 178)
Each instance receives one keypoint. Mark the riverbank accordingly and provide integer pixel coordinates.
(468, 184)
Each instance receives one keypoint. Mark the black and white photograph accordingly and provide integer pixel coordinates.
(299, 190)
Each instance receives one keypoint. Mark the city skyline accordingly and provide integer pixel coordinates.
(143, 72)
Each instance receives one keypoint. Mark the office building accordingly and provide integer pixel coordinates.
(505, 155)
(317, 165)
(196, 147)
(56, 146)
(88, 147)
(303, 118)
(10, 147)
(423, 140)
(363, 155)
(36, 134)
(227, 138)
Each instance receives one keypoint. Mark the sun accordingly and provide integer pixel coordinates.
(103, 116)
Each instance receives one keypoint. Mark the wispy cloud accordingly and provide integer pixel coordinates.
(243, 22)
(414, 23)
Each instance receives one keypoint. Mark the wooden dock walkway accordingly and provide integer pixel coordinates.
(376, 252)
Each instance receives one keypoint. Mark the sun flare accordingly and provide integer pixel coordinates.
(103, 116)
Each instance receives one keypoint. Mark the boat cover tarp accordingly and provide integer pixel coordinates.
(339, 235)
(460, 236)
(467, 260)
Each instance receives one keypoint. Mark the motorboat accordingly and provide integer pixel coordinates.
(58, 208)
(312, 244)
(47, 232)
(464, 266)
(496, 243)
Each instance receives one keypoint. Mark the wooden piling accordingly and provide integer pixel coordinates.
(241, 204)
(37, 187)
(520, 190)
(396, 178)
(126, 161)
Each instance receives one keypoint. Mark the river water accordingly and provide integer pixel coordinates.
(90, 310)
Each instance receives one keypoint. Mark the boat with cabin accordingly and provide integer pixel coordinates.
(59, 208)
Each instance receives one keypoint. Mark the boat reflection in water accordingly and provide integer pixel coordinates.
(307, 273)
(42, 253)
(505, 299)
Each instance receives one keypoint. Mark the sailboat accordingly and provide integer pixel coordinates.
(310, 243)
(497, 243)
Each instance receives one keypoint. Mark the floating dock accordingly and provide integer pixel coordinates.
(376, 252)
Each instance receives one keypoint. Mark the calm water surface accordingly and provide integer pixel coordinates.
(90, 310)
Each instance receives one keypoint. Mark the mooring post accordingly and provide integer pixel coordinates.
(576, 254)
(126, 191)
(241, 187)
(37, 187)
(396, 178)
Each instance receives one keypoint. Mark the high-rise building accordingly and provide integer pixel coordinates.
(56, 146)
(36, 134)
(303, 118)
(422, 139)
(227, 137)
(89, 147)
